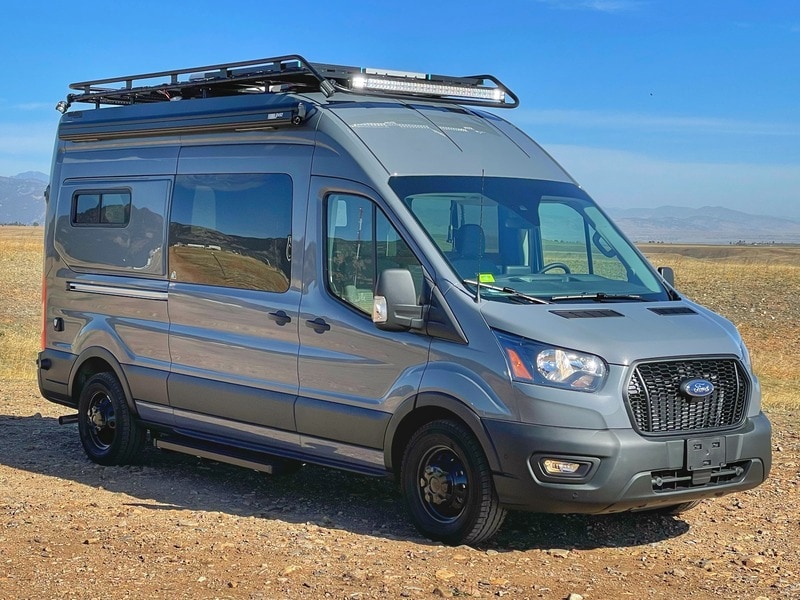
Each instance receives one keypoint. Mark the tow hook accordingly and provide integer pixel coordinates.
(68, 419)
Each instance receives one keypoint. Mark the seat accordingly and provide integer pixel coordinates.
(470, 246)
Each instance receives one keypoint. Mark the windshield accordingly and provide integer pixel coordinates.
(543, 239)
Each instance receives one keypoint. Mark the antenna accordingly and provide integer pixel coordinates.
(480, 253)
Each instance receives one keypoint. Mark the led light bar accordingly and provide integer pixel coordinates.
(419, 85)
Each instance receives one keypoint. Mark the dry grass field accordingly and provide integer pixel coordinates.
(21, 309)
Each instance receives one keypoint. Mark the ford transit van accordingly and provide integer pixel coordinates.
(278, 262)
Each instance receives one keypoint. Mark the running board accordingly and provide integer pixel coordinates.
(256, 461)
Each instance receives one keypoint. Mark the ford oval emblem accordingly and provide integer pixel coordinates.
(697, 388)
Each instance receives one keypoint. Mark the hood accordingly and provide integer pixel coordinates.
(621, 332)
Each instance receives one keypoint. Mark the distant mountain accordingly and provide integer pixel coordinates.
(706, 225)
(22, 198)
(33, 176)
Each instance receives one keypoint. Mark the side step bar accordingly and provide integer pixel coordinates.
(256, 461)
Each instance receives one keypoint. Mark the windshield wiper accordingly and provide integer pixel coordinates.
(598, 297)
(507, 290)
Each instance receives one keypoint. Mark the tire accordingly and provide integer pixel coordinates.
(448, 486)
(109, 434)
(677, 509)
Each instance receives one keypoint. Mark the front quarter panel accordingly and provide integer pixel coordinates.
(476, 372)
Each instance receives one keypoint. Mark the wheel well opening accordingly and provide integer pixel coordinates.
(87, 370)
(411, 423)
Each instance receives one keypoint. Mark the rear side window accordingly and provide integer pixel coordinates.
(102, 208)
(232, 230)
(113, 226)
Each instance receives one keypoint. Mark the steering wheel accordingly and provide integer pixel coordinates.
(555, 265)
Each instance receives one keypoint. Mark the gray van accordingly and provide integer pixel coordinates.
(277, 262)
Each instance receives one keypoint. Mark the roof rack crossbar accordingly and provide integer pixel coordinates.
(291, 72)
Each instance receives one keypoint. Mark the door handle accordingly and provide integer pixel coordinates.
(319, 325)
(280, 317)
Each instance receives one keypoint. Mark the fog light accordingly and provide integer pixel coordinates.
(567, 469)
(560, 467)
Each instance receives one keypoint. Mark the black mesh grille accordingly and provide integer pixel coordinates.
(677, 310)
(658, 406)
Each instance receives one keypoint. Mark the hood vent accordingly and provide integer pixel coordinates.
(586, 314)
(670, 311)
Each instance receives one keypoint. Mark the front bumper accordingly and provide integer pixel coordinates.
(626, 471)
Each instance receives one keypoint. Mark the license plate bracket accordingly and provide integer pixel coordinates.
(705, 453)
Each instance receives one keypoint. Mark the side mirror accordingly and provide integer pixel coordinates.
(668, 275)
(394, 307)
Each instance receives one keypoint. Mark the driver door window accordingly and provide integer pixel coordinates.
(361, 243)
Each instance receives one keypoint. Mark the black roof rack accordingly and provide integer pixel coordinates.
(290, 73)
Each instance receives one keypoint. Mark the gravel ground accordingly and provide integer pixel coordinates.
(179, 527)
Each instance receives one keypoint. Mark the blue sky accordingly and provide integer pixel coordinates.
(646, 102)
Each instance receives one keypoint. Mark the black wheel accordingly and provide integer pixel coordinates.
(448, 485)
(555, 265)
(109, 434)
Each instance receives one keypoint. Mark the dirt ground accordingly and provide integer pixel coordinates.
(180, 527)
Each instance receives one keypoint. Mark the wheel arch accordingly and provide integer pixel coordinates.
(428, 407)
(95, 360)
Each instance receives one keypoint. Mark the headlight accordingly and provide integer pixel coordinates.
(531, 362)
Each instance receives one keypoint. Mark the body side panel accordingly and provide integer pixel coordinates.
(230, 336)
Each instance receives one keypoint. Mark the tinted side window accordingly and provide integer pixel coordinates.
(232, 230)
(101, 208)
(360, 243)
(114, 225)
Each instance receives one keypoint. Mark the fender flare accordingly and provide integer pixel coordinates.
(96, 352)
(442, 403)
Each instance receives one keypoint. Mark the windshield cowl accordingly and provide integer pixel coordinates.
(600, 297)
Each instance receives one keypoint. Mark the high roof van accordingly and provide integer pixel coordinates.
(278, 262)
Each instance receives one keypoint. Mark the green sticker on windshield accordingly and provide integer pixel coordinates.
(486, 278)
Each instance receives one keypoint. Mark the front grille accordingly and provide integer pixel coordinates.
(658, 406)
